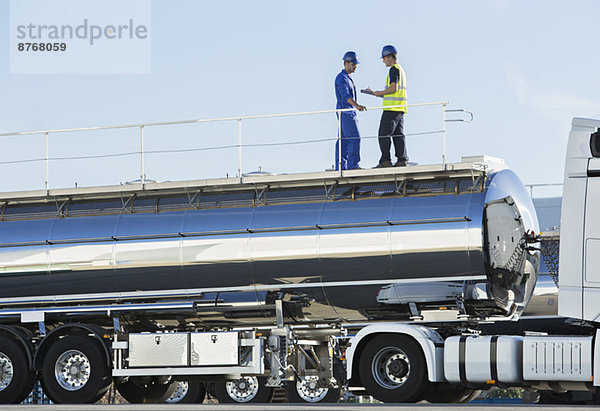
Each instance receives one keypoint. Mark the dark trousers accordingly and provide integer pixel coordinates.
(391, 127)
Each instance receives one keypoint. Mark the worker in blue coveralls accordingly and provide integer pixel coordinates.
(345, 92)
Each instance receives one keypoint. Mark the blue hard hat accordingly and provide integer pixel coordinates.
(387, 50)
(351, 57)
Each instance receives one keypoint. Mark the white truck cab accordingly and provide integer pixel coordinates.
(579, 272)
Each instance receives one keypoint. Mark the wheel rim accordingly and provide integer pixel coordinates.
(181, 391)
(72, 370)
(6, 371)
(309, 390)
(390, 367)
(242, 390)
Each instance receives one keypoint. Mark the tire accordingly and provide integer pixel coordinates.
(145, 390)
(450, 396)
(16, 379)
(187, 392)
(393, 369)
(246, 390)
(92, 378)
(307, 392)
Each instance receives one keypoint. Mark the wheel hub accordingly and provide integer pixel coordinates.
(243, 390)
(308, 389)
(6, 371)
(397, 367)
(390, 367)
(179, 393)
(72, 370)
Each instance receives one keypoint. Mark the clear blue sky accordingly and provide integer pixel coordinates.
(525, 68)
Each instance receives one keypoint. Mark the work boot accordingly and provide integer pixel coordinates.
(383, 164)
(400, 163)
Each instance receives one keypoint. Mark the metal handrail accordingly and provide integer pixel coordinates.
(461, 120)
(206, 120)
(238, 119)
(532, 186)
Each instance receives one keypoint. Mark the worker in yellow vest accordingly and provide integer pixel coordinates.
(391, 126)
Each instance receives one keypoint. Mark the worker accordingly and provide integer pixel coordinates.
(345, 93)
(391, 126)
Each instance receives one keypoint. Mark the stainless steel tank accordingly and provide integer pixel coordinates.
(355, 252)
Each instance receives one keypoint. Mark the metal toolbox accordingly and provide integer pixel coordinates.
(218, 348)
(161, 349)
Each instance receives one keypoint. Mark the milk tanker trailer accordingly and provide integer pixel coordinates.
(251, 282)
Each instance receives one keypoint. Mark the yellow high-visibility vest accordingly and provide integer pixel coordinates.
(399, 97)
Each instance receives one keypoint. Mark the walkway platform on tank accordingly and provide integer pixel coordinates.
(474, 167)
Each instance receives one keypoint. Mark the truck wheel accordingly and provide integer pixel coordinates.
(16, 379)
(75, 371)
(244, 390)
(307, 391)
(187, 392)
(392, 369)
(145, 390)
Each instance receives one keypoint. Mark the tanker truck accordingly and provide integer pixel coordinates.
(379, 280)
(309, 281)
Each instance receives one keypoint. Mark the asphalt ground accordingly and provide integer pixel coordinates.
(296, 407)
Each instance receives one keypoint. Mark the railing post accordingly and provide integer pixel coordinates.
(240, 149)
(339, 159)
(444, 135)
(142, 171)
(47, 173)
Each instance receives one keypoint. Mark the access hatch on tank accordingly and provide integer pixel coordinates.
(509, 271)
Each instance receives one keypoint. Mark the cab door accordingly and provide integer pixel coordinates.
(591, 260)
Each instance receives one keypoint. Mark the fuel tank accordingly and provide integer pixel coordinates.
(355, 250)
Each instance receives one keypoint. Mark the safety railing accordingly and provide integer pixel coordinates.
(238, 119)
(531, 187)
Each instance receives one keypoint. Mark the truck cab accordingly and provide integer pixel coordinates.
(579, 272)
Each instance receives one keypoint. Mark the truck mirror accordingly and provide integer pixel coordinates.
(595, 143)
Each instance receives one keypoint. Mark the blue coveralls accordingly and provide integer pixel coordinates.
(344, 89)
